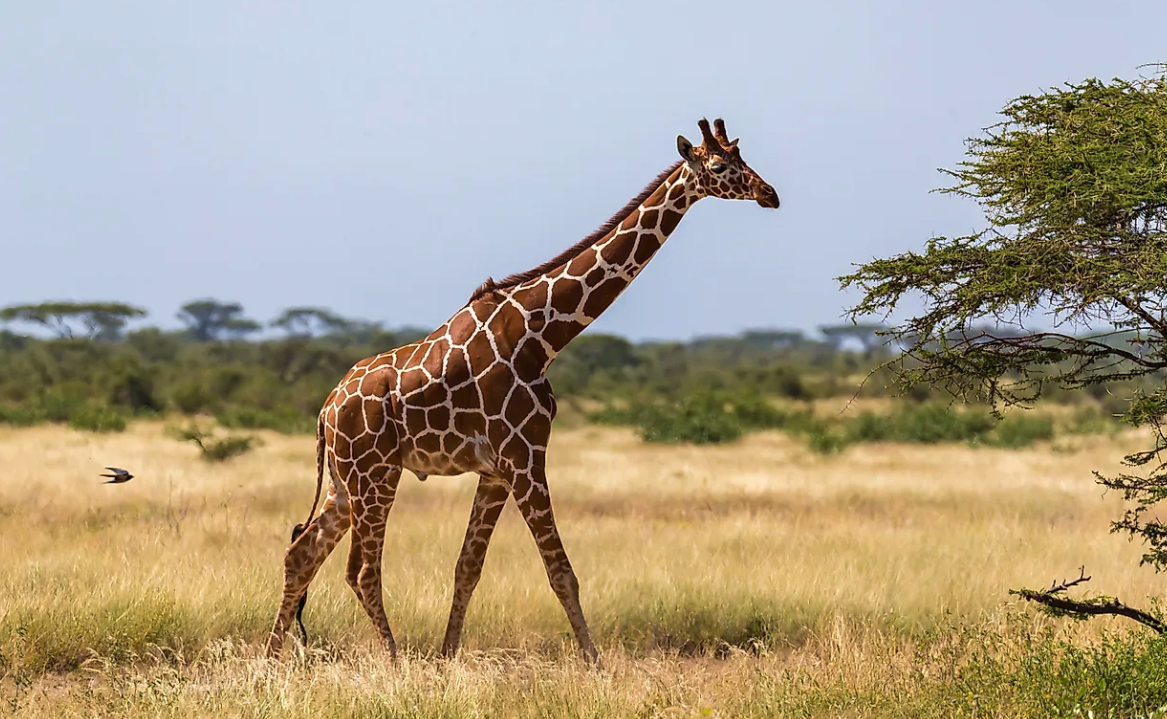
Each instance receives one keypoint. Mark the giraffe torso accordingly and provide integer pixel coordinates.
(460, 400)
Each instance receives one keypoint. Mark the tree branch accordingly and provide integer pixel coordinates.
(1158, 324)
(1082, 579)
(1086, 347)
(1083, 609)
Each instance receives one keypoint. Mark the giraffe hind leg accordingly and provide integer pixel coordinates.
(303, 559)
(370, 512)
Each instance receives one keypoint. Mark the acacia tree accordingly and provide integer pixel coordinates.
(208, 320)
(1073, 183)
(102, 321)
(310, 321)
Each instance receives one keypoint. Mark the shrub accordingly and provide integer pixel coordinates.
(707, 417)
(191, 396)
(286, 421)
(1091, 420)
(21, 415)
(1018, 430)
(223, 449)
(61, 403)
(787, 382)
(700, 419)
(827, 442)
(755, 412)
(128, 383)
(1039, 674)
(215, 450)
(928, 423)
(932, 423)
(98, 419)
(696, 419)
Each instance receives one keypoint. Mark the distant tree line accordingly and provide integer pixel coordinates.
(63, 360)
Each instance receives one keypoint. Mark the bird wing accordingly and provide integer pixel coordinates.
(115, 470)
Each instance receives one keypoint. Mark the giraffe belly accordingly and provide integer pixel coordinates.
(427, 465)
(442, 450)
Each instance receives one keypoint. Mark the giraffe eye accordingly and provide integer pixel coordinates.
(717, 168)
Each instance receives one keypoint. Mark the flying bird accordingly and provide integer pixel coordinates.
(118, 476)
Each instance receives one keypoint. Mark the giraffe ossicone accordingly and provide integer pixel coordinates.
(473, 396)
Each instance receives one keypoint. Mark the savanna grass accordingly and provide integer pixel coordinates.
(755, 579)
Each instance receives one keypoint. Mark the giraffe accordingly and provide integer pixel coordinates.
(473, 397)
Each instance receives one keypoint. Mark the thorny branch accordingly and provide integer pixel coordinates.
(1083, 609)
(1069, 347)
(1146, 316)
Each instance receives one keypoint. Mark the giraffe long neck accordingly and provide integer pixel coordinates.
(564, 301)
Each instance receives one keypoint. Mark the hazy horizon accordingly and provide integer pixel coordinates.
(383, 160)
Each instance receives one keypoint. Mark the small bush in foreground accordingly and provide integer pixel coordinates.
(1123, 675)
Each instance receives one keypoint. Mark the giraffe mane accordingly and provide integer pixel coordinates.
(520, 277)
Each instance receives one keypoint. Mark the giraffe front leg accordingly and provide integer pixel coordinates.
(534, 502)
(369, 516)
(303, 559)
(489, 501)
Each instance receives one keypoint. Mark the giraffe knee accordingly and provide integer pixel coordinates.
(466, 578)
(564, 581)
(368, 576)
(570, 583)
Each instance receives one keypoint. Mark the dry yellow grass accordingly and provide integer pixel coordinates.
(708, 575)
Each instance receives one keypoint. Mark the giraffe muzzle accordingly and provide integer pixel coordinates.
(765, 196)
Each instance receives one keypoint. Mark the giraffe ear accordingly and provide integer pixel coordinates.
(685, 148)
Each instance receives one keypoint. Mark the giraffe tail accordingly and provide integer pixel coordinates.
(299, 528)
(296, 532)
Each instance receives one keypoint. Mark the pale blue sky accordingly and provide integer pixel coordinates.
(383, 158)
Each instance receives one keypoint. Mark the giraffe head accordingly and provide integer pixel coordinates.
(719, 169)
